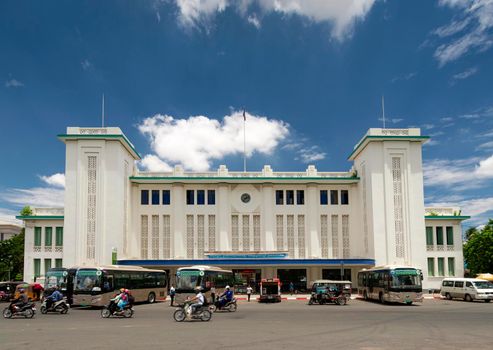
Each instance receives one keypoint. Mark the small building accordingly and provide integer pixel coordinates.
(297, 226)
(9, 229)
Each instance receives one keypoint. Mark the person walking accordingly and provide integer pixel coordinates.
(291, 287)
(249, 292)
(213, 295)
(172, 293)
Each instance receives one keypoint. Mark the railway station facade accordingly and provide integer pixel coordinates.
(298, 226)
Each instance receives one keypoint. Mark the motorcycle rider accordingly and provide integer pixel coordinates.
(53, 298)
(226, 297)
(199, 301)
(21, 301)
(121, 300)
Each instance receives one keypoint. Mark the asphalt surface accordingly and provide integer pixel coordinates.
(435, 324)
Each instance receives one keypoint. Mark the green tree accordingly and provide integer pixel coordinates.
(26, 211)
(470, 232)
(12, 257)
(478, 250)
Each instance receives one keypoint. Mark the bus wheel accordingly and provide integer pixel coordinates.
(151, 298)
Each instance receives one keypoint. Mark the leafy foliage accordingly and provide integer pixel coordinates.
(478, 250)
(12, 257)
(26, 211)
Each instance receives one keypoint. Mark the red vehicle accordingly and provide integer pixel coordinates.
(270, 290)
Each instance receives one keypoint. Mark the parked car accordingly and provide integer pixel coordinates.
(468, 289)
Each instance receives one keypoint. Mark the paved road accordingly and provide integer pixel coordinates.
(436, 324)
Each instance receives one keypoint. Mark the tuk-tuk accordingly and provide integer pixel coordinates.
(329, 291)
(270, 290)
(7, 289)
(28, 289)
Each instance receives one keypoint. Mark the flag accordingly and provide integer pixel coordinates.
(244, 116)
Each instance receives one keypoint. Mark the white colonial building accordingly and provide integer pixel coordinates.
(299, 226)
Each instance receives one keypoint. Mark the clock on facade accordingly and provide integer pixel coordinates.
(245, 198)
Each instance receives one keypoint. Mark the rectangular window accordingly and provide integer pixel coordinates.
(290, 197)
(211, 197)
(144, 197)
(47, 265)
(439, 236)
(300, 197)
(190, 197)
(451, 266)
(59, 237)
(344, 197)
(155, 197)
(441, 266)
(200, 197)
(450, 235)
(279, 197)
(429, 235)
(48, 236)
(37, 267)
(166, 197)
(58, 263)
(37, 236)
(431, 267)
(333, 197)
(324, 197)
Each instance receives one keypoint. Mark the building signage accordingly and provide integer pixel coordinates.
(248, 256)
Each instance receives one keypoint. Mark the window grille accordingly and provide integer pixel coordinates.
(246, 232)
(280, 232)
(234, 233)
(200, 236)
(190, 238)
(144, 236)
(345, 237)
(365, 214)
(324, 236)
(301, 236)
(125, 207)
(335, 236)
(398, 219)
(166, 237)
(290, 234)
(256, 233)
(212, 233)
(91, 206)
(155, 236)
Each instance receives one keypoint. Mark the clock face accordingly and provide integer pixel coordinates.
(245, 198)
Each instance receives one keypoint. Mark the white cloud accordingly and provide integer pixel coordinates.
(35, 197)
(404, 77)
(458, 174)
(9, 216)
(446, 119)
(470, 32)
(57, 180)
(342, 14)
(486, 145)
(391, 120)
(480, 209)
(198, 140)
(465, 74)
(14, 83)
(253, 20)
(86, 64)
(154, 164)
(311, 154)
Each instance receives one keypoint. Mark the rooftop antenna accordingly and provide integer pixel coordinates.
(383, 111)
(102, 113)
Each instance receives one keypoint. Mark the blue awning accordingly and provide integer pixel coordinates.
(249, 262)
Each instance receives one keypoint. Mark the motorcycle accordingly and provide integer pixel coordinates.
(112, 309)
(60, 306)
(184, 312)
(27, 310)
(230, 306)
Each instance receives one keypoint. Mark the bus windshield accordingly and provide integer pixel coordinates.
(405, 278)
(187, 280)
(483, 285)
(86, 280)
(56, 278)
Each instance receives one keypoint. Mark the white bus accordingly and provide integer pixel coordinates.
(400, 284)
(95, 286)
(206, 277)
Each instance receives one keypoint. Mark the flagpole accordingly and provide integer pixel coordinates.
(244, 142)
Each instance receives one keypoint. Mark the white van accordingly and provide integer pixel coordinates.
(468, 289)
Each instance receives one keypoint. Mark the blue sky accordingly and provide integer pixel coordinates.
(176, 75)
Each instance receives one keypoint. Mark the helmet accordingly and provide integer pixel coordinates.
(227, 287)
(21, 290)
(198, 288)
(122, 290)
(127, 291)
